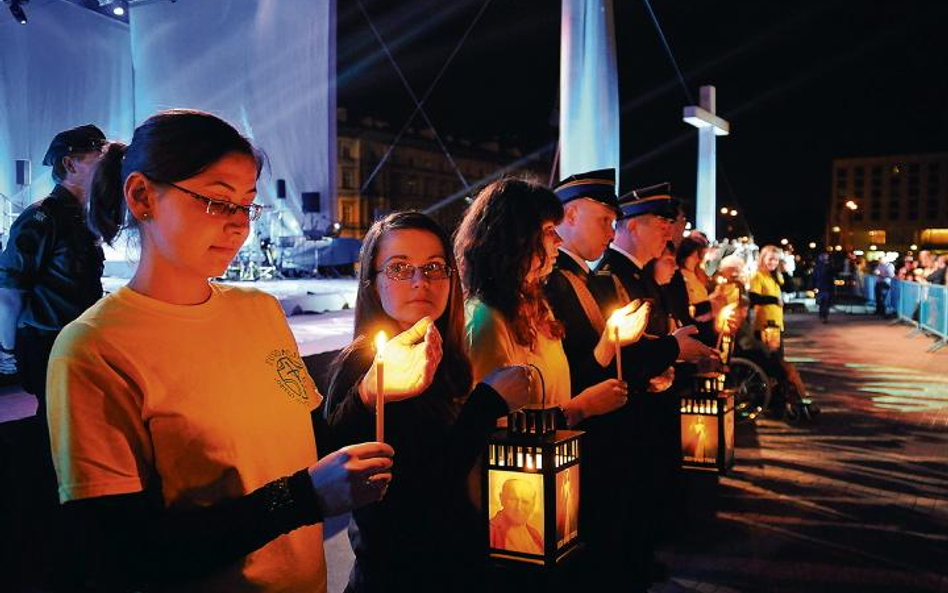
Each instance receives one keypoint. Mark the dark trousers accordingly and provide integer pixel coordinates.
(32, 546)
(882, 293)
(823, 300)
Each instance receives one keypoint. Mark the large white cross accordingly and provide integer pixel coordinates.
(709, 125)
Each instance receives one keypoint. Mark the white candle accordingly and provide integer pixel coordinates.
(615, 330)
(380, 340)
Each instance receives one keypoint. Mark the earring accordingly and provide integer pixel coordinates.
(144, 216)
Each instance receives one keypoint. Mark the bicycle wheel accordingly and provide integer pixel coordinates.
(751, 387)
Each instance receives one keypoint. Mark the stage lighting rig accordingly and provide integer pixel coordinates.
(16, 9)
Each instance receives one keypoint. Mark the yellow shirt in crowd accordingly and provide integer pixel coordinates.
(764, 284)
(697, 291)
(203, 402)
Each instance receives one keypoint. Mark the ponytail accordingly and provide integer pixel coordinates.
(107, 209)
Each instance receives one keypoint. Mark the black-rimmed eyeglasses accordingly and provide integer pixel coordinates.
(222, 207)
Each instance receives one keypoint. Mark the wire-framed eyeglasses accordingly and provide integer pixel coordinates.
(405, 271)
(222, 207)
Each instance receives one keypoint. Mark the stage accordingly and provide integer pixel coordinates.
(319, 311)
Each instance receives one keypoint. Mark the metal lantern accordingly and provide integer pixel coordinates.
(532, 489)
(770, 336)
(707, 425)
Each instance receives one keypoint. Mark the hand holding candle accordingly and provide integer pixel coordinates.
(410, 361)
(627, 324)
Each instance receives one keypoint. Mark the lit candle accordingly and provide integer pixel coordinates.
(380, 340)
(613, 321)
(615, 330)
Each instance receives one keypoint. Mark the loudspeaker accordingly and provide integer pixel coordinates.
(23, 173)
(281, 189)
(310, 201)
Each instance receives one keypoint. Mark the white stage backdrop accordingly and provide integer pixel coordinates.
(268, 66)
(589, 90)
(67, 67)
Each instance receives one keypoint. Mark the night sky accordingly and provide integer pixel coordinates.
(801, 83)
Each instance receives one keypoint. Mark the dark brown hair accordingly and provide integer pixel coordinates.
(454, 372)
(495, 245)
(169, 146)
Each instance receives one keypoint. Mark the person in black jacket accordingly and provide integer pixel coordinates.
(50, 272)
(608, 480)
(426, 535)
(641, 235)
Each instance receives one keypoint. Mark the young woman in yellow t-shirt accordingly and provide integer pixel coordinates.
(180, 412)
(765, 292)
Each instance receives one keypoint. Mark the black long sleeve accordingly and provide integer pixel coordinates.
(132, 541)
(759, 299)
(426, 524)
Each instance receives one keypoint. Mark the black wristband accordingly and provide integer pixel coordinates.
(290, 502)
(6, 350)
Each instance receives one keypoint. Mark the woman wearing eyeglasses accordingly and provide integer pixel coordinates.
(424, 536)
(181, 415)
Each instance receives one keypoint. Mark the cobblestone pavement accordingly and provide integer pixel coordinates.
(856, 500)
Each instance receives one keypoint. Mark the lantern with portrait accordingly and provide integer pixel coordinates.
(532, 489)
(707, 425)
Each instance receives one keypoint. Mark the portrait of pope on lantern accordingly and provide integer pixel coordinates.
(516, 511)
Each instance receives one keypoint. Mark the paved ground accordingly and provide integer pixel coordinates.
(856, 501)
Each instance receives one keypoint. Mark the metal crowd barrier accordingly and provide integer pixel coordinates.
(924, 306)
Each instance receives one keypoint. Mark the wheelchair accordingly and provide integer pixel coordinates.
(761, 383)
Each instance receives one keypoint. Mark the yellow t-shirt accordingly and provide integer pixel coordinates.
(764, 284)
(492, 345)
(203, 402)
(697, 291)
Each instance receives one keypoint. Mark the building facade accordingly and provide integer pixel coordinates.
(889, 203)
(415, 175)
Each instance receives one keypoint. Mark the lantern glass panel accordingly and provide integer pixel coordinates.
(567, 505)
(699, 438)
(516, 511)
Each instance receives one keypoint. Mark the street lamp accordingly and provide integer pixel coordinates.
(852, 206)
(784, 241)
(733, 212)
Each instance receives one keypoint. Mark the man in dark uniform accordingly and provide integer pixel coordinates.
(50, 272)
(608, 478)
(642, 230)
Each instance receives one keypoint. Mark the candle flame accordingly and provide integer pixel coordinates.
(724, 316)
(380, 340)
